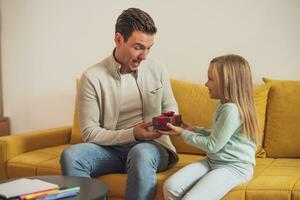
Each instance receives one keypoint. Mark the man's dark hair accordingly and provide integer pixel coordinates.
(134, 19)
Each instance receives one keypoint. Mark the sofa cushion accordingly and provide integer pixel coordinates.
(282, 136)
(38, 162)
(267, 187)
(197, 107)
(276, 181)
(296, 190)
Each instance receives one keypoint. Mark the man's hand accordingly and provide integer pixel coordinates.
(140, 132)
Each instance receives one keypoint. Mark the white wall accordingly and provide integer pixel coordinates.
(46, 44)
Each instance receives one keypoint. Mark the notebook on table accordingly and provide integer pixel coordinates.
(22, 186)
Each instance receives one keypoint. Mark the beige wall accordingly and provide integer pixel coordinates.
(46, 44)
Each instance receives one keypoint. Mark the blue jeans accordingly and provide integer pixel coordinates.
(140, 160)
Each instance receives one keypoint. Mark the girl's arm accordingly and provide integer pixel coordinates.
(203, 131)
(226, 123)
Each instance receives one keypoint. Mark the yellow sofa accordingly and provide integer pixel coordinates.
(277, 172)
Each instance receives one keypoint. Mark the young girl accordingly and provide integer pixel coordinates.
(230, 144)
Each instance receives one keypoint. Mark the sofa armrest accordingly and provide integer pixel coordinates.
(13, 145)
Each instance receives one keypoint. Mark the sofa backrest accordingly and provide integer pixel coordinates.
(282, 137)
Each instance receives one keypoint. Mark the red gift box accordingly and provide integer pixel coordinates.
(160, 122)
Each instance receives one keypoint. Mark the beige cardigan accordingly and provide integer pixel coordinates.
(99, 101)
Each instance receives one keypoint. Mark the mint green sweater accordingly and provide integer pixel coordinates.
(225, 141)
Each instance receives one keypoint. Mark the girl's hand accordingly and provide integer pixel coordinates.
(175, 130)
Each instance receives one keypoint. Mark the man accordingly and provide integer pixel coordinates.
(117, 99)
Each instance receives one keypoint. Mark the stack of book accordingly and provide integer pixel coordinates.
(26, 189)
(53, 194)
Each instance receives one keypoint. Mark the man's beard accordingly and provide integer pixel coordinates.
(134, 68)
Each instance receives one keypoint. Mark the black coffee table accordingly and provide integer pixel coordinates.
(90, 189)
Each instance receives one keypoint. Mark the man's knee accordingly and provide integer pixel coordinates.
(72, 161)
(68, 155)
(144, 155)
(73, 157)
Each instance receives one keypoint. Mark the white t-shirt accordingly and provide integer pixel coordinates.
(131, 103)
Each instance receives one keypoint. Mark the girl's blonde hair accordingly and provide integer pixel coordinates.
(234, 79)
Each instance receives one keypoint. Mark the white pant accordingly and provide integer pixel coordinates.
(205, 180)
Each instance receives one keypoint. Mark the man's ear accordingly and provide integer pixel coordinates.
(118, 39)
